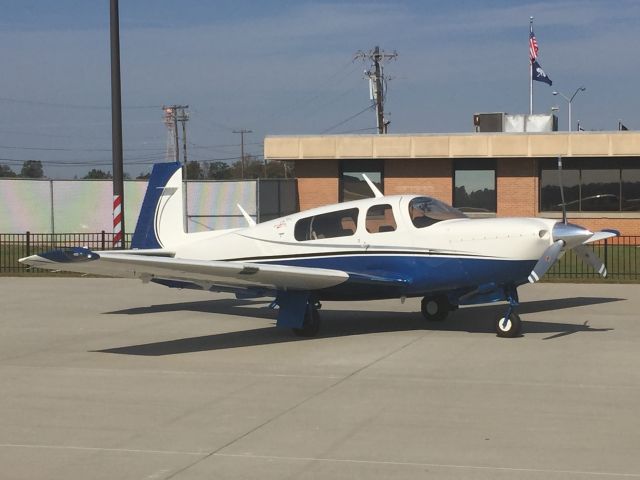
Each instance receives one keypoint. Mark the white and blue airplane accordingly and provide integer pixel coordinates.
(383, 247)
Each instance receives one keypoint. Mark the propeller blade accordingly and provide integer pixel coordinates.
(590, 258)
(602, 235)
(548, 258)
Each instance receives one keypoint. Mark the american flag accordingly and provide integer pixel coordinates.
(533, 45)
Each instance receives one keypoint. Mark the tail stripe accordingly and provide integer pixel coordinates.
(146, 233)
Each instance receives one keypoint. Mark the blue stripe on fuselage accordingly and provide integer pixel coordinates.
(424, 273)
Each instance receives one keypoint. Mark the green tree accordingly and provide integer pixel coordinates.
(143, 176)
(5, 171)
(194, 171)
(96, 174)
(218, 171)
(257, 168)
(32, 169)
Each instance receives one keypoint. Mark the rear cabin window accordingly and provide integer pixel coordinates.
(380, 219)
(327, 225)
(425, 211)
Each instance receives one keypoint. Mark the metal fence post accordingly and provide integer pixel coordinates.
(28, 243)
(53, 214)
(258, 219)
(102, 237)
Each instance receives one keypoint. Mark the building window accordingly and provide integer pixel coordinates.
(380, 219)
(591, 185)
(474, 185)
(342, 223)
(352, 185)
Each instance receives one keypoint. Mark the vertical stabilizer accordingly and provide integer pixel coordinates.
(161, 219)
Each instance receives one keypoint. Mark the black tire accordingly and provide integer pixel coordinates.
(511, 329)
(311, 325)
(436, 308)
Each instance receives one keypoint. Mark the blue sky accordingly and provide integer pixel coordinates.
(285, 67)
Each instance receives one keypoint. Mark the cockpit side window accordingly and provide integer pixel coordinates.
(425, 211)
(327, 225)
(380, 219)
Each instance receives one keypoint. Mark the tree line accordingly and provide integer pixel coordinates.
(252, 168)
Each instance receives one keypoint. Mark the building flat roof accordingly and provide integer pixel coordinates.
(461, 145)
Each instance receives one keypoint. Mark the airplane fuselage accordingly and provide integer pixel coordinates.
(447, 254)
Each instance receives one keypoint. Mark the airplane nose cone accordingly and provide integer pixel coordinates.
(572, 235)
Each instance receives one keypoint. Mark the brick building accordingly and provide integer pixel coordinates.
(497, 174)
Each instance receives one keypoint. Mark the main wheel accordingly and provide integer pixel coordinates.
(435, 309)
(311, 325)
(509, 327)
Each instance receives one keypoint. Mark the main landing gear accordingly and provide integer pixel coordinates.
(436, 308)
(311, 325)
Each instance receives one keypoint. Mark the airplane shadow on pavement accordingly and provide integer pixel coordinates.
(340, 323)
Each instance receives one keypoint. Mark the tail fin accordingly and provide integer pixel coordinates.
(161, 219)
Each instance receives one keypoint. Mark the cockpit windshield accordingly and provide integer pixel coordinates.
(425, 211)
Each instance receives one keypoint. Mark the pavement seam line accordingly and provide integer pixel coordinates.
(100, 449)
(293, 407)
(433, 465)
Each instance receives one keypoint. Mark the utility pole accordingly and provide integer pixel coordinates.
(183, 118)
(242, 131)
(172, 115)
(172, 118)
(116, 129)
(377, 81)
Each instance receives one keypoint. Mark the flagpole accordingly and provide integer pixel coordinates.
(530, 71)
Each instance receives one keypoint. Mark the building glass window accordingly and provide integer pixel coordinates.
(352, 185)
(380, 219)
(630, 189)
(474, 186)
(550, 198)
(591, 185)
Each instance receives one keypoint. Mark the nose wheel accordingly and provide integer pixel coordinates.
(509, 326)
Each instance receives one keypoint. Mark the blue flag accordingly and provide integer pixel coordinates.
(538, 73)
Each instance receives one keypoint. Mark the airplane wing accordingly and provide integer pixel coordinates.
(206, 273)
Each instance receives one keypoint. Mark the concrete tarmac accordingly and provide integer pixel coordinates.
(113, 379)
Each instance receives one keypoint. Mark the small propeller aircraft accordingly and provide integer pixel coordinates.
(383, 247)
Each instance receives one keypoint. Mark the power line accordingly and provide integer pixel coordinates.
(41, 103)
(62, 149)
(369, 107)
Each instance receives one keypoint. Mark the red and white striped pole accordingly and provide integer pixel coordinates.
(116, 130)
(117, 221)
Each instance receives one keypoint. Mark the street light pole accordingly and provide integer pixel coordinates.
(570, 101)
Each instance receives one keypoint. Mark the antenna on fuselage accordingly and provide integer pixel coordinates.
(376, 193)
(247, 217)
(563, 204)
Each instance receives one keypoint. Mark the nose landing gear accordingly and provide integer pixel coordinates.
(510, 325)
